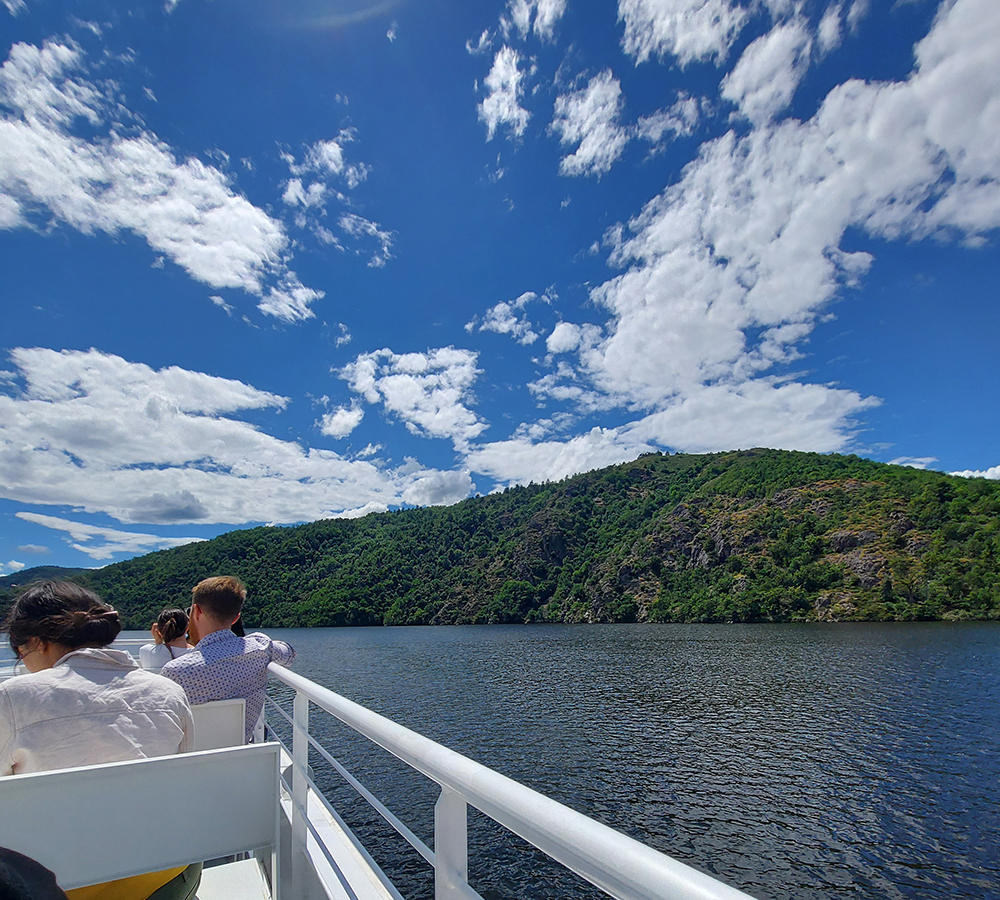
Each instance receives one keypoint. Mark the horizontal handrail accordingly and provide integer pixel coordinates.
(608, 859)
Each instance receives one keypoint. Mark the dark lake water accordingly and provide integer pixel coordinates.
(790, 761)
(794, 761)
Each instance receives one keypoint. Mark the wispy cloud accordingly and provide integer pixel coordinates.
(505, 86)
(126, 179)
(99, 542)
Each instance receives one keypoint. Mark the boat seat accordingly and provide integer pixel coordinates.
(99, 823)
(220, 723)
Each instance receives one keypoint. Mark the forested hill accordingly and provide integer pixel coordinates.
(746, 536)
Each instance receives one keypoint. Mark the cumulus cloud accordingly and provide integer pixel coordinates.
(107, 542)
(728, 269)
(765, 78)
(15, 566)
(429, 392)
(504, 319)
(504, 89)
(992, 473)
(341, 421)
(725, 274)
(104, 435)
(520, 460)
(689, 30)
(589, 119)
(124, 178)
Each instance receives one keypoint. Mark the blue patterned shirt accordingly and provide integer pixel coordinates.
(223, 667)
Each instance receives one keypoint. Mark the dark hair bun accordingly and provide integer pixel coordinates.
(100, 625)
(61, 612)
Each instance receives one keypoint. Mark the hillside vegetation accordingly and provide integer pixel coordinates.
(745, 536)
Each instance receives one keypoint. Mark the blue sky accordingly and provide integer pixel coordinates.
(268, 262)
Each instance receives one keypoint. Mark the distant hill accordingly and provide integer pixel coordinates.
(38, 573)
(744, 536)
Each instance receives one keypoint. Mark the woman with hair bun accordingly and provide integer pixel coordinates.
(83, 703)
(169, 640)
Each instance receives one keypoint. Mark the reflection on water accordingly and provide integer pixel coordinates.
(797, 762)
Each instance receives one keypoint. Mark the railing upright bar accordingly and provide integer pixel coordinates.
(451, 846)
(300, 793)
(373, 801)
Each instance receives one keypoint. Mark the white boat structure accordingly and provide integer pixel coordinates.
(259, 802)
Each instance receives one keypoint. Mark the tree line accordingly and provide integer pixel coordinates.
(742, 536)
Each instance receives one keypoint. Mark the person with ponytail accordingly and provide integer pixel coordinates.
(83, 703)
(169, 640)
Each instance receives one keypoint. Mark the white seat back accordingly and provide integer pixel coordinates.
(99, 823)
(220, 723)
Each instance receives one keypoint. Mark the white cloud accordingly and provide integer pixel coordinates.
(484, 43)
(992, 473)
(829, 35)
(429, 391)
(764, 80)
(15, 6)
(519, 460)
(690, 30)
(95, 432)
(298, 195)
(123, 179)
(504, 90)
(341, 421)
(435, 488)
(110, 540)
(760, 413)
(567, 336)
(289, 300)
(358, 226)
(913, 462)
(503, 319)
(680, 120)
(15, 566)
(344, 337)
(38, 549)
(857, 11)
(588, 118)
(749, 237)
(308, 192)
(546, 14)
(218, 301)
(726, 272)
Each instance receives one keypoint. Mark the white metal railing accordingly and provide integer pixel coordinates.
(613, 862)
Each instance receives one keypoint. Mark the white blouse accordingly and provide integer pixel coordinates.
(155, 656)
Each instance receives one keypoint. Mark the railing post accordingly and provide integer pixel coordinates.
(451, 845)
(300, 793)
